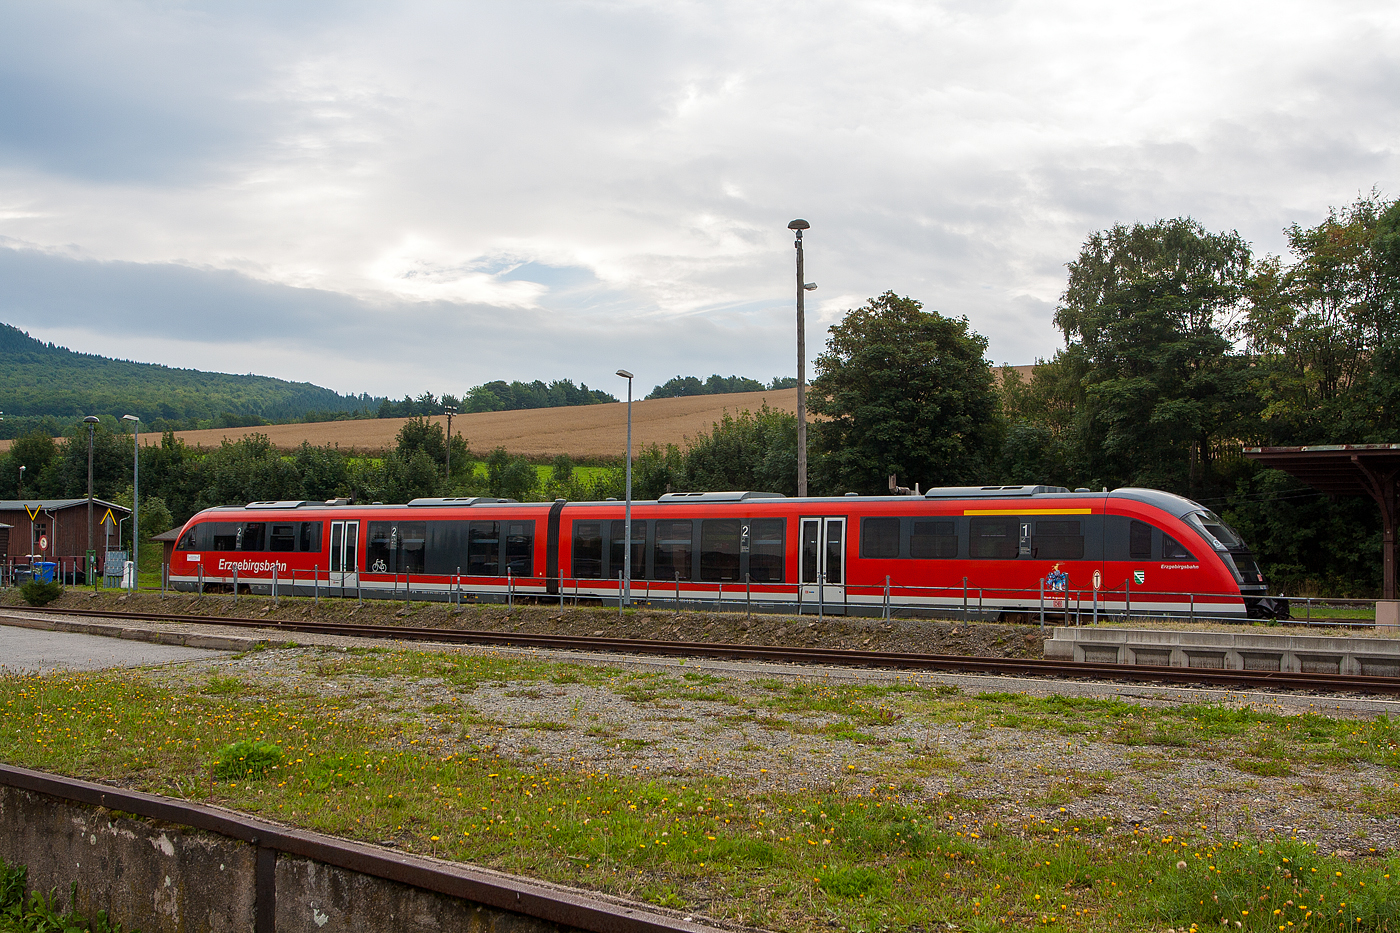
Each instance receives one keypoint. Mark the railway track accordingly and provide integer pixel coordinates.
(834, 657)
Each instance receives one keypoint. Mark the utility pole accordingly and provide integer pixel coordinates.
(451, 410)
(797, 226)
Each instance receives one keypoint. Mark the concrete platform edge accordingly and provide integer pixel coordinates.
(154, 636)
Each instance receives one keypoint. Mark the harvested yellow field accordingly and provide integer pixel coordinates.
(581, 432)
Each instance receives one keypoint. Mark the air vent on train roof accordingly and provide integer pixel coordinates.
(986, 492)
(440, 502)
(718, 496)
(281, 504)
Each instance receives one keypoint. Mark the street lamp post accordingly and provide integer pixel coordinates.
(90, 420)
(627, 520)
(22, 468)
(450, 410)
(135, 498)
(803, 287)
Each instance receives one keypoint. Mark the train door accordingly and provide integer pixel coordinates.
(823, 560)
(345, 550)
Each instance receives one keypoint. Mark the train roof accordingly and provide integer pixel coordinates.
(1166, 501)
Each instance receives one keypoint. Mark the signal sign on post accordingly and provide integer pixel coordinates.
(1098, 579)
(43, 542)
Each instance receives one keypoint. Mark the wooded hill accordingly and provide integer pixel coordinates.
(45, 386)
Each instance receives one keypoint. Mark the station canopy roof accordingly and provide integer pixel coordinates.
(1341, 469)
(1347, 470)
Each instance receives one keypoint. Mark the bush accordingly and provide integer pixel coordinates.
(40, 594)
(247, 760)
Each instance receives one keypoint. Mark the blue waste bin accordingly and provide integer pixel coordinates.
(44, 570)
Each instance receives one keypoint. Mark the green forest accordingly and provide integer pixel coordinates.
(45, 386)
(1181, 347)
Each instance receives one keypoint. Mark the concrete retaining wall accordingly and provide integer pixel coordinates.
(1241, 651)
(232, 874)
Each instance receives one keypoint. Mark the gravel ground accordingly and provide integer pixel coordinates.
(643, 722)
(671, 717)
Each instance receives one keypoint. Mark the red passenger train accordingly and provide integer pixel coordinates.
(997, 549)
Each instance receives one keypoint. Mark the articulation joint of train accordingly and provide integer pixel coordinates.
(977, 551)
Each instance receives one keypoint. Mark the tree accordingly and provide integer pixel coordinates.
(421, 434)
(510, 477)
(1147, 316)
(1325, 328)
(903, 391)
(750, 451)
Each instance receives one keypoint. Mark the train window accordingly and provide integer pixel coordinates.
(588, 550)
(879, 537)
(379, 547)
(484, 549)
(1171, 550)
(835, 551)
(310, 537)
(187, 539)
(995, 538)
(674, 543)
(1058, 540)
(520, 548)
(282, 537)
(766, 557)
(252, 536)
(937, 540)
(618, 547)
(413, 539)
(219, 536)
(1139, 541)
(810, 532)
(719, 549)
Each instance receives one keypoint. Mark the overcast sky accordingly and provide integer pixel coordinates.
(399, 197)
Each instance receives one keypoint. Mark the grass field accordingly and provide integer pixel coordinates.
(379, 745)
(583, 432)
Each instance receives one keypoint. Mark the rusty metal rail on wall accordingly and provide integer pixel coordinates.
(843, 657)
(519, 896)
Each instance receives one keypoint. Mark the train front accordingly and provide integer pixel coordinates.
(1236, 556)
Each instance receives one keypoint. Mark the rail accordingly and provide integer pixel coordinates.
(519, 896)
(836, 657)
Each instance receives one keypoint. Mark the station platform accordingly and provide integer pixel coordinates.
(1245, 650)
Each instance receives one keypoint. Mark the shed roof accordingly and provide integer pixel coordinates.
(15, 505)
(172, 535)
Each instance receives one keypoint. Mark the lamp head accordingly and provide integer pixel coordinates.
(624, 374)
(91, 419)
(799, 224)
(130, 418)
